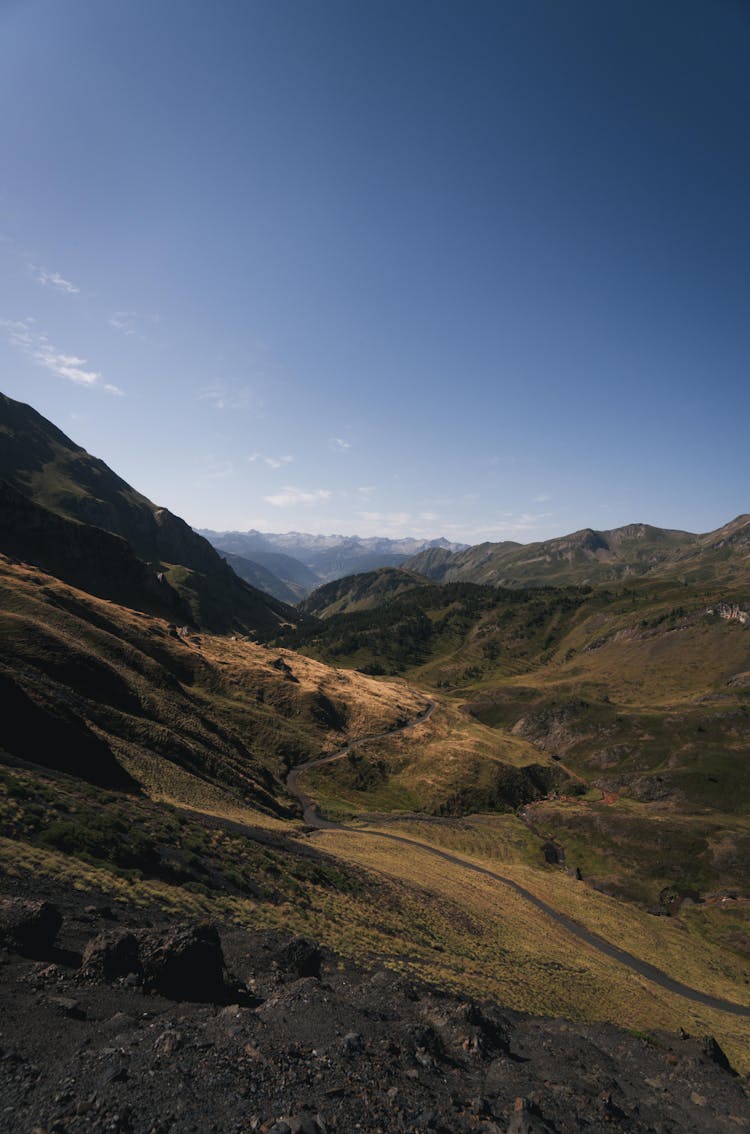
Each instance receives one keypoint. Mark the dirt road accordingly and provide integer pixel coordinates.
(313, 818)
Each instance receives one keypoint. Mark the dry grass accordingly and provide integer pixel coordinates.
(197, 719)
(422, 914)
(426, 766)
(518, 955)
(658, 667)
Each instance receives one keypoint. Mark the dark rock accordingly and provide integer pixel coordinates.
(713, 1050)
(352, 1042)
(304, 1123)
(111, 955)
(68, 1006)
(168, 1043)
(118, 1074)
(28, 926)
(302, 957)
(526, 1119)
(281, 665)
(183, 963)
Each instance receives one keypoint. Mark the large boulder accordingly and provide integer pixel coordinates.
(300, 957)
(111, 955)
(184, 962)
(29, 925)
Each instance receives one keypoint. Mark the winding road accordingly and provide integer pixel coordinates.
(314, 819)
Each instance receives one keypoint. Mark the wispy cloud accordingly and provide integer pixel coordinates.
(68, 366)
(131, 322)
(340, 443)
(228, 396)
(22, 334)
(123, 321)
(19, 332)
(542, 498)
(55, 280)
(290, 496)
(272, 462)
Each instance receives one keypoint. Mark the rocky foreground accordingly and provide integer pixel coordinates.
(112, 1021)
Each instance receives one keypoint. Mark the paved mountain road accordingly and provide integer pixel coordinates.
(313, 818)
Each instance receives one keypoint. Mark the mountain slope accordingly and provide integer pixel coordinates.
(591, 557)
(117, 697)
(261, 578)
(360, 592)
(44, 466)
(86, 557)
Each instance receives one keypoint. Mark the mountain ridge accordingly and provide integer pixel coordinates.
(311, 560)
(590, 556)
(68, 486)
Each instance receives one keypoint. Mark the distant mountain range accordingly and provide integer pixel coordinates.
(592, 557)
(293, 565)
(300, 562)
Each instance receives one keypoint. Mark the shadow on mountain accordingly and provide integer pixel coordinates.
(56, 739)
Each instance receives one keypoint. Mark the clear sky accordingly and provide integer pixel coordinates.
(469, 269)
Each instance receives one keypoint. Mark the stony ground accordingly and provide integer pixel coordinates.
(294, 1040)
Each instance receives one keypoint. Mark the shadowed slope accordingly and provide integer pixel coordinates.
(51, 471)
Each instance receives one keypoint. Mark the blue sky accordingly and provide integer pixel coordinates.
(466, 269)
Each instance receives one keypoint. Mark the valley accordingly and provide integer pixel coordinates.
(532, 795)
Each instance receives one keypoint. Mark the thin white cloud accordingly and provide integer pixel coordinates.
(227, 396)
(367, 489)
(64, 365)
(131, 322)
(123, 321)
(542, 498)
(19, 332)
(290, 496)
(340, 443)
(55, 280)
(272, 462)
(37, 346)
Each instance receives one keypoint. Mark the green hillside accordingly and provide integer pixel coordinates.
(360, 592)
(589, 557)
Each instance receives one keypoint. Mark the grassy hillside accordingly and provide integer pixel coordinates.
(117, 697)
(641, 694)
(445, 634)
(591, 557)
(367, 591)
(201, 730)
